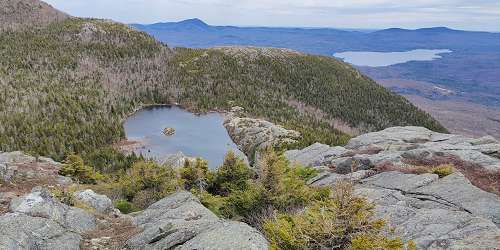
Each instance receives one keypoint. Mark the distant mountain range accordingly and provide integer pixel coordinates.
(471, 72)
(325, 41)
(473, 67)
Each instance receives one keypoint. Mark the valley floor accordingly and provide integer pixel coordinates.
(457, 114)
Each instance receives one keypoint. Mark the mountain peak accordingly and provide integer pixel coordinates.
(194, 22)
(437, 29)
(17, 14)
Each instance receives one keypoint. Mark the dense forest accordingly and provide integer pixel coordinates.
(66, 87)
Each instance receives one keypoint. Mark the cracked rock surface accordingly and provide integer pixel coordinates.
(397, 145)
(437, 213)
(17, 165)
(252, 135)
(38, 221)
(180, 221)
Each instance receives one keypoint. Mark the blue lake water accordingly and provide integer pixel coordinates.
(381, 59)
(195, 135)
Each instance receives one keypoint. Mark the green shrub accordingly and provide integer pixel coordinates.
(195, 175)
(305, 173)
(145, 183)
(232, 175)
(110, 160)
(343, 222)
(216, 203)
(124, 206)
(443, 170)
(75, 168)
(286, 187)
(242, 204)
(235, 192)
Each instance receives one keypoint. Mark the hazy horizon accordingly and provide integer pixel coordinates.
(482, 15)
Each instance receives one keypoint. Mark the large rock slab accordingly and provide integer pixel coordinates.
(315, 155)
(20, 231)
(40, 203)
(38, 221)
(18, 166)
(457, 190)
(228, 235)
(398, 146)
(101, 203)
(412, 141)
(253, 135)
(180, 220)
(437, 213)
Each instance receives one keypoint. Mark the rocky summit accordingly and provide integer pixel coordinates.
(253, 135)
(181, 222)
(398, 170)
(457, 211)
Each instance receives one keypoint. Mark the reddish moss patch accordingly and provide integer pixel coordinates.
(480, 177)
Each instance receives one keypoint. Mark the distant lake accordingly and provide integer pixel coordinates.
(195, 135)
(381, 59)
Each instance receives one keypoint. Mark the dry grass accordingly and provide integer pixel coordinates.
(480, 177)
(119, 230)
(407, 169)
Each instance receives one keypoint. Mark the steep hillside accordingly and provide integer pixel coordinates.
(471, 71)
(294, 89)
(16, 14)
(67, 87)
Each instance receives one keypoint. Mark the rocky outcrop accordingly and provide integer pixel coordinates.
(38, 221)
(101, 203)
(177, 160)
(19, 173)
(181, 221)
(399, 146)
(315, 155)
(18, 165)
(446, 213)
(254, 135)
(437, 213)
(40, 203)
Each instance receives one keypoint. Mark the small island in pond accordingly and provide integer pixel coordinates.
(168, 131)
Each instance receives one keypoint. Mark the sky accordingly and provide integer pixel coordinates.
(365, 14)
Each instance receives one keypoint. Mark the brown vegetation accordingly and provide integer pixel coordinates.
(480, 177)
(114, 232)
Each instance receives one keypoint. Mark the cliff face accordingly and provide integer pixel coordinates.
(19, 14)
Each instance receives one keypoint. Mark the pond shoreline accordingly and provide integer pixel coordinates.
(197, 134)
(385, 59)
(159, 105)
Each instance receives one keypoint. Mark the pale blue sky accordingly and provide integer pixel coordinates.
(370, 14)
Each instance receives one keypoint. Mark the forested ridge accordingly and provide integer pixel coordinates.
(68, 86)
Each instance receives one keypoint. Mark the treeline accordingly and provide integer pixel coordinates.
(66, 88)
